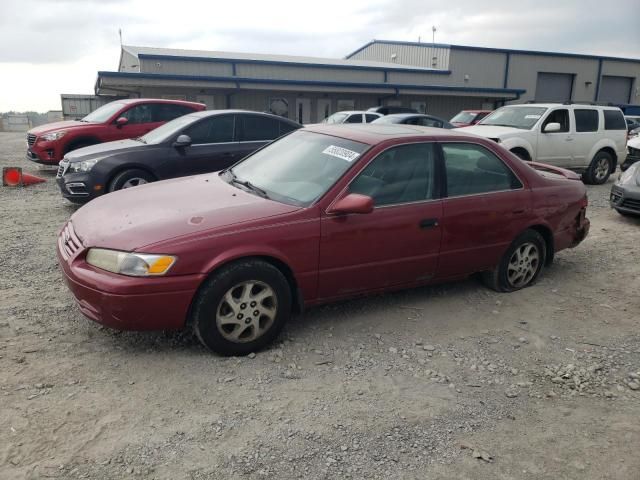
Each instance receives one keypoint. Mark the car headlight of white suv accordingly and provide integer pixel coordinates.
(132, 264)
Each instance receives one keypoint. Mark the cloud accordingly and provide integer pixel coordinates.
(63, 43)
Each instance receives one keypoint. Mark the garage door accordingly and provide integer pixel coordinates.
(615, 89)
(554, 87)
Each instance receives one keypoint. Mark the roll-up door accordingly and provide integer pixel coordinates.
(615, 89)
(554, 87)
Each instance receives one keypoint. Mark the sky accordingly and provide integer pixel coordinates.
(49, 47)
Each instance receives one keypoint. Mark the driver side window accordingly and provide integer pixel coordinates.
(558, 116)
(399, 175)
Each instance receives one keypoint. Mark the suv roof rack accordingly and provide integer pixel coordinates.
(574, 102)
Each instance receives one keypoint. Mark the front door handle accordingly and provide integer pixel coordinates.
(429, 223)
(569, 139)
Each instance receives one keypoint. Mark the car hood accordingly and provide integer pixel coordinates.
(133, 218)
(634, 142)
(102, 149)
(491, 131)
(55, 126)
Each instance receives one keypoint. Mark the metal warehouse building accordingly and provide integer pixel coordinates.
(439, 79)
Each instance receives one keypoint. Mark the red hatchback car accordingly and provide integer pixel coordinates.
(118, 120)
(322, 214)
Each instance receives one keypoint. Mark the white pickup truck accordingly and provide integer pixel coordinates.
(590, 139)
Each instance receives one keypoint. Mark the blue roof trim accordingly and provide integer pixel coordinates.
(149, 56)
(496, 50)
(317, 83)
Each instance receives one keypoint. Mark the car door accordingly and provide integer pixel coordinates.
(396, 244)
(255, 131)
(485, 207)
(213, 146)
(556, 148)
(141, 118)
(588, 132)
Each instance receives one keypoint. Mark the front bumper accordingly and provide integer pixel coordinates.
(632, 157)
(42, 152)
(625, 198)
(78, 187)
(122, 302)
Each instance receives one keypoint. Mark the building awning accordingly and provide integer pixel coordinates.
(114, 83)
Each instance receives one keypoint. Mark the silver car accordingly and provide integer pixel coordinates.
(625, 193)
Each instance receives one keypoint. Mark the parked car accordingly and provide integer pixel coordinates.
(48, 144)
(633, 122)
(414, 119)
(633, 153)
(322, 214)
(467, 118)
(195, 143)
(390, 109)
(586, 138)
(352, 116)
(625, 193)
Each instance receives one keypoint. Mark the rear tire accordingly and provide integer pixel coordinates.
(521, 264)
(599, 170)
(130, 178)
(242, 308)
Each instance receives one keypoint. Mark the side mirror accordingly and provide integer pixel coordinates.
(182, 141)
(551, 127)
(120, 122)
(353, 203)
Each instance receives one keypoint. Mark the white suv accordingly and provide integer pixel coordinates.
(590, 139)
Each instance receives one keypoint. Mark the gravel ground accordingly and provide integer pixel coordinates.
(452, 381)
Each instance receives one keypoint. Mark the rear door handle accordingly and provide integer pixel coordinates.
(429, 223)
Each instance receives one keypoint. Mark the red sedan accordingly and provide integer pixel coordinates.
(322, 214)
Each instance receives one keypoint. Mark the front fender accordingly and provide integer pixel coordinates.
(511, 143)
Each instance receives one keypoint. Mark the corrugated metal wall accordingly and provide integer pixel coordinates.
(77, 106)
(416, 55)
(309, 73)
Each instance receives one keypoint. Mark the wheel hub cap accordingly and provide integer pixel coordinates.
(523, 265)
(246, 311)
(134, 182)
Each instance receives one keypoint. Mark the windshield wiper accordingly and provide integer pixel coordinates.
(247, 184)
(139, 139)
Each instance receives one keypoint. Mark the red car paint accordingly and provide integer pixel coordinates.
(480, 114)
(207, 223)
(50, 152)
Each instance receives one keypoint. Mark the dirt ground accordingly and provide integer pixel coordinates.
(449, 382)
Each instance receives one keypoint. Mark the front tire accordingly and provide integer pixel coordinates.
(242, 308)
(599, 170)
(130, 178)
(521, 264)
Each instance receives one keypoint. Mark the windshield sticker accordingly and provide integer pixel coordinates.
(533, 116)
(343, 153)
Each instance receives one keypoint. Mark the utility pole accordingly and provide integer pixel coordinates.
(433, 30)
(120, 35)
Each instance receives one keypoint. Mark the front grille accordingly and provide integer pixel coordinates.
(633, 152)
(31, 139)
(62, 168)
(631, 203)
(69, 242)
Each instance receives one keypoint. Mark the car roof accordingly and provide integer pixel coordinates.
(374, 133)
(566, 105)
(477, 111)
(409, 115)
(355, 111)
(129, 101)
(212, 113)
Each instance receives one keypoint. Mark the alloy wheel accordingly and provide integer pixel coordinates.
(523, 265)
(246, 311)
(134, 182)
(602, 169)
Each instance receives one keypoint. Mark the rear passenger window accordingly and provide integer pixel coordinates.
(286, 128)
(163, 112)
(256, 128)
(399, 175)
(429, 122)
(370, 118)
(614, 120)
(586, 120)
(472, 169)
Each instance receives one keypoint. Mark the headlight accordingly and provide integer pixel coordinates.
(49, 137)
(628, 174)
(133, 264)
(83, 166)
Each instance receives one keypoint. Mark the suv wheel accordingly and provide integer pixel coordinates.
(130, 178)
(520, 265)
(599, 169)
(242, 308)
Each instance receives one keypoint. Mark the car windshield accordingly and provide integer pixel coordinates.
(103, 113)
(297, 169)
(335, 118)
(517, 117)
(464, 117)
(168, 130)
